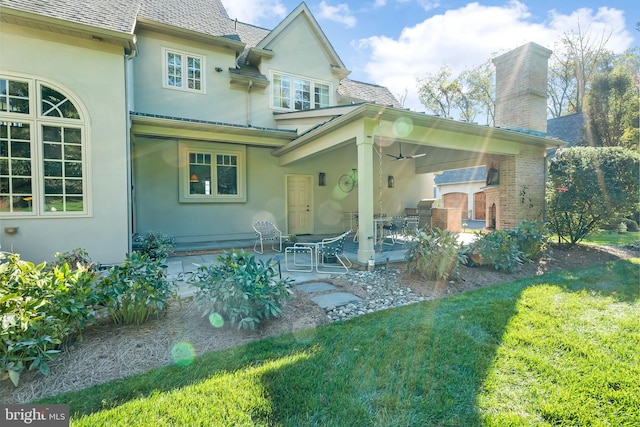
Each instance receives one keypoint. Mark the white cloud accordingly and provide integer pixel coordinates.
(468, 36)
(428, 4)
(253, 11)
(339, 13)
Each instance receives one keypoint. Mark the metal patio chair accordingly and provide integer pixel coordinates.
(332, 248)
(391, 230)
(267, 231)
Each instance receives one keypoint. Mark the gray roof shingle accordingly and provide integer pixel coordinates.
(367, 92)
(568, 128)
(115, 15)
(203, 16)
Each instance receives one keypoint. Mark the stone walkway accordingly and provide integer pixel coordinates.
(179, 268)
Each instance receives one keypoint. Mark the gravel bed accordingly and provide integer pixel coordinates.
(379, 289)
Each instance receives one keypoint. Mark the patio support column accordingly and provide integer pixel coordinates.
(366, 248)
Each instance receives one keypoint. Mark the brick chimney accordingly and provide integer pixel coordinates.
(521, 88)
(521, 104)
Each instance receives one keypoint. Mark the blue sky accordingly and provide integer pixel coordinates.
(394, 42)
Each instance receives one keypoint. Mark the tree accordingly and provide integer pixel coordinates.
(439, 92)
(589, 187)
(613, 109)
(479, 87)
(470, 93)
(577, 58)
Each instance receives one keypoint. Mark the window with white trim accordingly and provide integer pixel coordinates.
(212, 172)
(42, 151)
(183, 71)
(298, 93)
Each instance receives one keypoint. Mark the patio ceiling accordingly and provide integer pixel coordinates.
(449, 144)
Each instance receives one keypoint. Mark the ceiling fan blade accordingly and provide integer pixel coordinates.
(391, 155)
(415, 156)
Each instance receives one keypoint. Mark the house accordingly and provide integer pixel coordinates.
(120, 117)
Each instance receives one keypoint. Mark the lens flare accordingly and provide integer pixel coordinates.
(183, 354)
(402, 127)
(216, 320)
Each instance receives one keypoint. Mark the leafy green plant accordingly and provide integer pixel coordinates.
(156, 245)
(40, 309)
(136, 290)
(588, 187)
(435, 255)
(76, 258)
(498, 249)
(241, 289)
(531, 238)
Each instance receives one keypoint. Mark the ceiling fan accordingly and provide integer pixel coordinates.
(401, 157)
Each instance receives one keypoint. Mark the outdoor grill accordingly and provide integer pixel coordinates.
(424, 212)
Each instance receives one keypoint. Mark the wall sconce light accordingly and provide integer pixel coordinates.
(322, 179)
(11, 230)
(218, 69)
(390, 181)
(194, 178)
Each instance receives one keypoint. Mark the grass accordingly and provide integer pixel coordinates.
(558, 349)
(609, 238)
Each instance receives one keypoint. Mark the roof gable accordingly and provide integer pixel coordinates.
(303, 12)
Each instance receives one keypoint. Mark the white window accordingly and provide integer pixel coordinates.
(183, 71)
(42, 151)
(298, 93)
(212, 172)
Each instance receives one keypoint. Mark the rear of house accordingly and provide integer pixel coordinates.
(120, 117)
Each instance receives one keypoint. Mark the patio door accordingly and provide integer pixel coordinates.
(299, 204)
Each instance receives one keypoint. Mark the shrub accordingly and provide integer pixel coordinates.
(498, 249)
(40, 308)
(531, 238)
(155, 245)
(631, 224)
(435, 255)
(240, 289)
(136, 290)
(588, 187)
(75, 259)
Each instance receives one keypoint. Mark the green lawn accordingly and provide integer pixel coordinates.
(609, 238)
(559, 349)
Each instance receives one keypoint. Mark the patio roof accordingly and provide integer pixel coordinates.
(449, 143)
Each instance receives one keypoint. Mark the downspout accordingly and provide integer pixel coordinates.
(249, 86)
(128, 106)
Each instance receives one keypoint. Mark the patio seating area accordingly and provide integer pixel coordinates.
(298, 265)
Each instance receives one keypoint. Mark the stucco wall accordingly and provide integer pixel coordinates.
(93, 73)
(157, 207)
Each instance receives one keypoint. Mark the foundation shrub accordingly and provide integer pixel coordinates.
(136, 290)
(155, 244)
(435, 254)
(40, 309)
(240, 289)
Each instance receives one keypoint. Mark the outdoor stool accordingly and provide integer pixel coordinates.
(294, 252)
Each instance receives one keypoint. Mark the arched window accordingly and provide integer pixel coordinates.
(42, 150)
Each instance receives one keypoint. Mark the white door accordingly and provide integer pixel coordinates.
(299, 204)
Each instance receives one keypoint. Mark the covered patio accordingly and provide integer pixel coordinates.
(516, 157)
